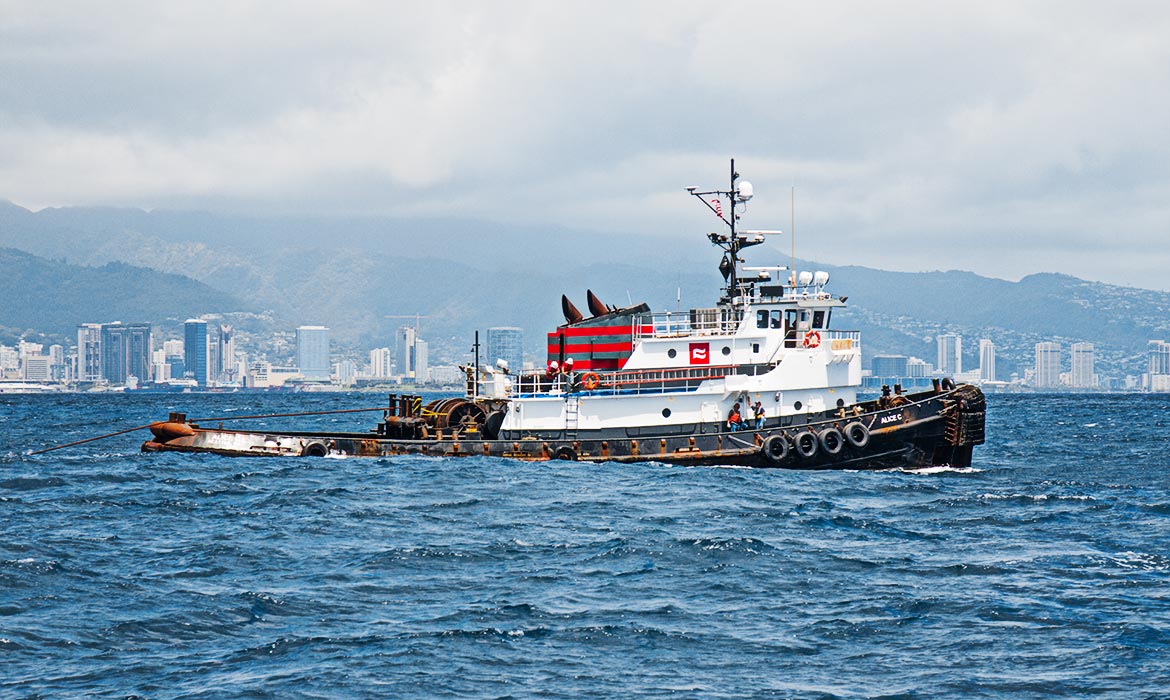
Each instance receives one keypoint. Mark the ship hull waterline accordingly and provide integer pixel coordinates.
(909, 432)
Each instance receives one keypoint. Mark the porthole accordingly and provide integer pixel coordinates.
(726, 350)
(666, 413)
(840, 403)
(797, 405)
(672, 353)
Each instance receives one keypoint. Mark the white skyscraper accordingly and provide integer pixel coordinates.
(381, 363)
(986, 360)
(950, 354)
(412, 354)
(89, 352)
(1081, 356)
(1047, 372)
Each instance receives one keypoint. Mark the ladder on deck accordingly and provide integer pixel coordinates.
(572, 413)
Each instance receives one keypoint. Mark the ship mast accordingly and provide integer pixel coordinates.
(731, 243)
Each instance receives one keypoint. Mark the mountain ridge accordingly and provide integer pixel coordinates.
(479, 275)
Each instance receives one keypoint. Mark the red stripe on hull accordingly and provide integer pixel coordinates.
(554, 349)
(627, 329)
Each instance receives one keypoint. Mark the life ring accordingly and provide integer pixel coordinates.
(831, 441)
(806, 444)
(591, 381)
(812, 339)
(857, 434)
(775, 448)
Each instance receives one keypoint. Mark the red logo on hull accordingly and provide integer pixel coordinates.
(700, 354)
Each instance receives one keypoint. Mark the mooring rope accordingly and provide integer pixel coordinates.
(99, 437)
(285, 415)
(209, 420)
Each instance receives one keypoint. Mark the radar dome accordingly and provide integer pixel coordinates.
(744, 191)
(806, 277)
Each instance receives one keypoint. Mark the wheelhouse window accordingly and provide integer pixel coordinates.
(762, 318)
(818, 319)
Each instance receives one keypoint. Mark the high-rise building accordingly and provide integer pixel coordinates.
(412, 355)
(888, 366)
(1081, 357)
(57, 367)
(916, 367)
(1047, 372)
(224, 345)
(986, 360)
(195, 350)
(381, 363)
(346, 372)
(35, 368)
(313, 352)
(89, 352)
(1159, 357)
(125, 352)
(422, 372)
(506, 343)
(950, 354)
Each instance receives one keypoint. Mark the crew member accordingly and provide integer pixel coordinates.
(758, 411)
(734, 420)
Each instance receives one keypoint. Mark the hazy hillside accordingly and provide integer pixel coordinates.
(53, 297)
(361, 276)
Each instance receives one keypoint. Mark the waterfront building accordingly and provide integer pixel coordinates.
(346, 372)
(125, 352)
(1082, 360)
(950, 354)
(27, 349)
(888, 366)
(1047, 369)
(89, 352)
(35, 368)
(447, 375)
(9, 359)
(412, 354)
(381, 363)
(313, 352)
(57, 366)
(506, 343)
(225, 355)
(986, 360)
(1159, 357)
(917, 368)
(195, 350)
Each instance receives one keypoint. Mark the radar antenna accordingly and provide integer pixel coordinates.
(733, 242)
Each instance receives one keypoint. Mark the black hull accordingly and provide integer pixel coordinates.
(915, 431)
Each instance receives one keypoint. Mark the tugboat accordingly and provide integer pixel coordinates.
(760, 379)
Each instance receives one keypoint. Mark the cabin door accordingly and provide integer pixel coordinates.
(709, 417)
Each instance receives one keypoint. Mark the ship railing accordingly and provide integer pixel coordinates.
(647, 381)
(837, 341)
(680, 324)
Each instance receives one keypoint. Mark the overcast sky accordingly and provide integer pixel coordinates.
(1003, 138)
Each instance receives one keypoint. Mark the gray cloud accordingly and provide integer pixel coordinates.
(1004, 138)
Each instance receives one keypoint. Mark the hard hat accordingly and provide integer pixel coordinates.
(553, 364)
(568, 360)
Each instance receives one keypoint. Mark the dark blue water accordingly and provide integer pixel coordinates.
(1044, 572)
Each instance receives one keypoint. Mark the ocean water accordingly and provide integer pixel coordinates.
(1042, 572)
